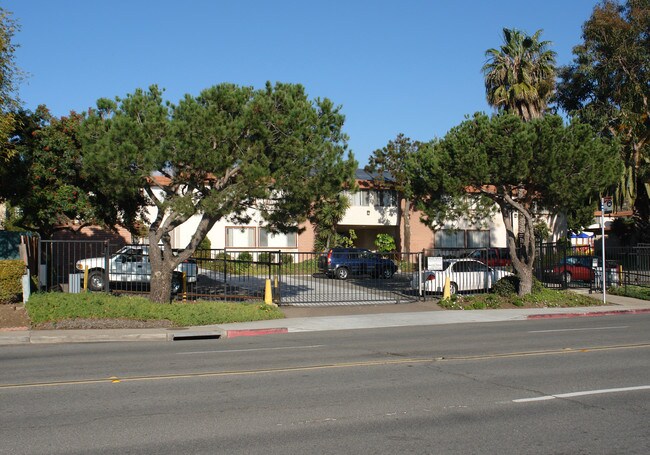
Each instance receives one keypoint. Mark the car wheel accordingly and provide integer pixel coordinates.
(342, 273)
(567, 277)
(96, 280)
(386, 273)
(453, 288)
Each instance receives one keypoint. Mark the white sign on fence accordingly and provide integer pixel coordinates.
(434, 263)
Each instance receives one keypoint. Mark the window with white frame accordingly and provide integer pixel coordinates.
(377, 198)
(360, 198)
(387, 198)
(240, 237)
(270, 240)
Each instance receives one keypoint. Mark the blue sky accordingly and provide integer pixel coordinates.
(395, 66)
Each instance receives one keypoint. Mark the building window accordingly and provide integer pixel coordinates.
(359, 199)
(478, 239)
(387, 198)
(449, 239)
(270, 240)
(461, 239)
(240, 237)
(376, 198)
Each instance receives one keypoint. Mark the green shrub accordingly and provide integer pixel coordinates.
(203, 250)
(11, 286)
(218, 263)
(264, 258)
(243, 262)
(507, 285)
(636, 292)
(385, 243)
(452, 303)
(245, 257)
(286, 259)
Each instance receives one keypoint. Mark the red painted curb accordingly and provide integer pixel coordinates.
(253, 332)
(590, 314)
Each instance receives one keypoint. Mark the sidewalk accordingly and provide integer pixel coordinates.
(329, 318)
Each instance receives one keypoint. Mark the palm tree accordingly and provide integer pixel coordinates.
(520, 76)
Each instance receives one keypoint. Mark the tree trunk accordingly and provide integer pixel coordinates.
(407, 226)
(523, 256)
(162, 266)
(161, 287)
(525, 281)
(641, 211)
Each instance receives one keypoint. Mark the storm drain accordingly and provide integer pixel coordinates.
(189, 336)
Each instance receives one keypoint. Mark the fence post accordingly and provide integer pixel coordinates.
(421, 293)
(107, 247)
(225, 266)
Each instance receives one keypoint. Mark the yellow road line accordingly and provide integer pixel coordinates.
(370, 363)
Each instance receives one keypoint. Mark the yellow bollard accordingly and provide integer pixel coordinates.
(86, 279)
(446, 292)
(184, 287)
(268, 294)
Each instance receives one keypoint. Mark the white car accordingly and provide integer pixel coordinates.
(131, 265)
(463, 274)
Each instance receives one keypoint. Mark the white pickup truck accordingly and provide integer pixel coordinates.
(131, 265)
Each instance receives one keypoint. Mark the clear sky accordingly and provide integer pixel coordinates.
(395, 66)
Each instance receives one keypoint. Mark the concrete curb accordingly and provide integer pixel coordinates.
(587, 314)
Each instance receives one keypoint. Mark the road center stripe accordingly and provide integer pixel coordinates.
(583, 393)
(581, 329)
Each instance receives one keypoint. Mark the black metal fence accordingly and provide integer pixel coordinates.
(318, 279)
(298, 278)
(294, 278)
(564, 266)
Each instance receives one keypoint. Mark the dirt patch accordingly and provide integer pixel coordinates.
(104, 324)
(13, 316)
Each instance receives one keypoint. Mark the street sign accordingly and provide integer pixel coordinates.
(607, 204)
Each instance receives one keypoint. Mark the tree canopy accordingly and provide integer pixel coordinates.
(520, 75)
(607, 87)
(10, 75)
(522, 168)
(216, 155)
(47, 182)
(394, 158)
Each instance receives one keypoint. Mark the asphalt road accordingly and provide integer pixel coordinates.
(547, 386)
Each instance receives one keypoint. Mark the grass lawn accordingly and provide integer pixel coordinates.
(57, 307)
(636, 292)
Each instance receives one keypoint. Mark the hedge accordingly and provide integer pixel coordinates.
(11, 286)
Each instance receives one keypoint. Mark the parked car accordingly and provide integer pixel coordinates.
(131, 265)
(464, 275)
(343, 262)
(494, 257)
(580, 268)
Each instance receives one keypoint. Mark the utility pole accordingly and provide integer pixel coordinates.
(605, 206)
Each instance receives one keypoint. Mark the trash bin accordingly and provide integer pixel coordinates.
(74, 283)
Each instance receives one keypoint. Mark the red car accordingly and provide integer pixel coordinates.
(579, 268)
